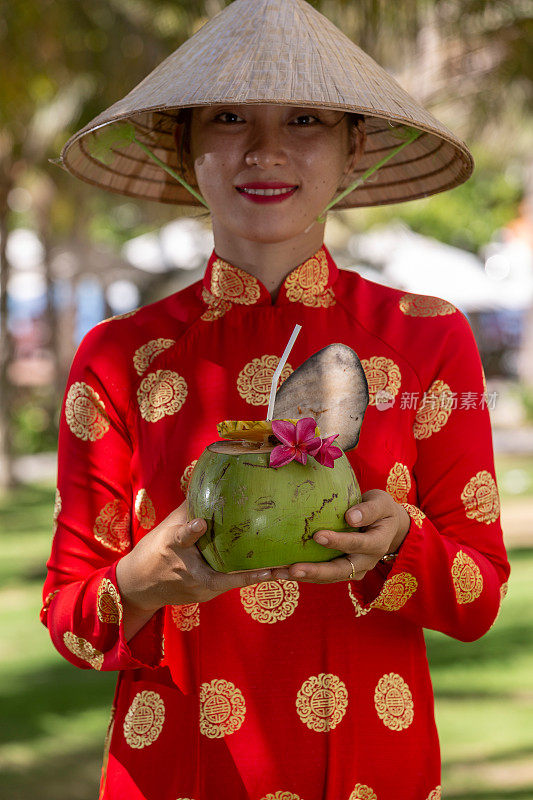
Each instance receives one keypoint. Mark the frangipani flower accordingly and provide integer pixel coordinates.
(328, 452)
(298, 440)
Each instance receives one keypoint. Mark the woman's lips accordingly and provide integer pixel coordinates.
(266, 195)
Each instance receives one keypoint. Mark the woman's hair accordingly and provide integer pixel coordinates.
(184, 117)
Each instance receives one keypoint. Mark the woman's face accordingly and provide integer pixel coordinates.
(239, 151)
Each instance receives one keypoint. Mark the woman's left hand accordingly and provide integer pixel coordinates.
(383, 526)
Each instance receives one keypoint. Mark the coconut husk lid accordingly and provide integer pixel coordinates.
(272, 51)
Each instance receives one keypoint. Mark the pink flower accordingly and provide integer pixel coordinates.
(328, 452)
(298, 440)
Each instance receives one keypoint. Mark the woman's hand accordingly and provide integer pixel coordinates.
(166, 568)
(384, 524)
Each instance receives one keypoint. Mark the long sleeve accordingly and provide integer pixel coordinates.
(82, 606)
(451, 571)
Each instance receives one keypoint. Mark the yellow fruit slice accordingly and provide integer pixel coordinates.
(255, 430)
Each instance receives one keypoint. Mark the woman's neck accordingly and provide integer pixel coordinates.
(269, 262)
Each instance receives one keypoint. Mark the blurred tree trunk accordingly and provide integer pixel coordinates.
(44, 194)
(7, 477)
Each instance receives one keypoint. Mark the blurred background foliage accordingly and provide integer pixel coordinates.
(62, 62)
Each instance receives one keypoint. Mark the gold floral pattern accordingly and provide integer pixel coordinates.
(186, 477)
(416, 514)
(399, 482)
(144, 355)
(120, 316)
(359, 610)
(126, 315)
(234, 284)
(255, 379)
(222, 708)
(480, 498)
(144, 720)
(467, 578)
(362, 792)
(322, 701)
(436, 794)
(434, 410)
(270, 601)
(112, 526)
(83, 649)
(186, 617)
(394, 702)
(280, 795)
(85, 412)
(382, 375)
(161, 394)
(308, 283)
(396, 592)
(107, 743)
(217, 307)
(108, 605)
(420, 305)
(48, 599)
(144, 510)
(503, 594)
(57, 508)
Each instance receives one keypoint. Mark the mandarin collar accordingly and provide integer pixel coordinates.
(310, 283)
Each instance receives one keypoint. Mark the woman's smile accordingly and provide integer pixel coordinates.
(266, 192)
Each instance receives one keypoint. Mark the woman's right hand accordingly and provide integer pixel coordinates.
(166, 568)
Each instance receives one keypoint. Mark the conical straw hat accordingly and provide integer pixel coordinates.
(272, 51)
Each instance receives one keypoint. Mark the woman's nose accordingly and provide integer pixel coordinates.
(266, 148)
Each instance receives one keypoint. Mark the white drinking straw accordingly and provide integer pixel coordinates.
(277, 373)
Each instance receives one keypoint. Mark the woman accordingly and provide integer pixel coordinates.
(312, 681)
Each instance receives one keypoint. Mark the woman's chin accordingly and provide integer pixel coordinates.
(269, 230)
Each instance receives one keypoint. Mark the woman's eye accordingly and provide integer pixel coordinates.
(228, 116)
(306, 119)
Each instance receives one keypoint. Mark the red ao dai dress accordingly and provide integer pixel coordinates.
(282, 690)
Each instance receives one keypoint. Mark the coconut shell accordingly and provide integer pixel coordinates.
(262, 517)
(331, 387)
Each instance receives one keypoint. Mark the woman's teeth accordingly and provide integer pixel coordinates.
(268, 192)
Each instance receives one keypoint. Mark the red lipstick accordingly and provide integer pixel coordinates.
(262, 186)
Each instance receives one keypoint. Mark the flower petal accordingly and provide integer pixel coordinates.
(284, 431)
(335, 452)
(329, 439)
(282, 455)
(301, 456)
(328, 451)
(305, 429)
(324, 458)
(312, 447)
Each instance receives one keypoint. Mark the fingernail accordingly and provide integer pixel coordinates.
(299, 573)
(262, 576)
(322, 539)
(355, 516)
(196, 525)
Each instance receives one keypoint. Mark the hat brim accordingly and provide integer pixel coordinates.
(430, 164)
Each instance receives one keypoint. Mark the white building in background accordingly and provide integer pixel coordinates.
(419, 264)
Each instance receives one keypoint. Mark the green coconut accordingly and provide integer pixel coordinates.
(260, 516)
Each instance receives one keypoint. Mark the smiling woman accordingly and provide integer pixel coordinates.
(299, 681)
(266, 173)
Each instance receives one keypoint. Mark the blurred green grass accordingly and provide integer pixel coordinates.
(51, 746)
